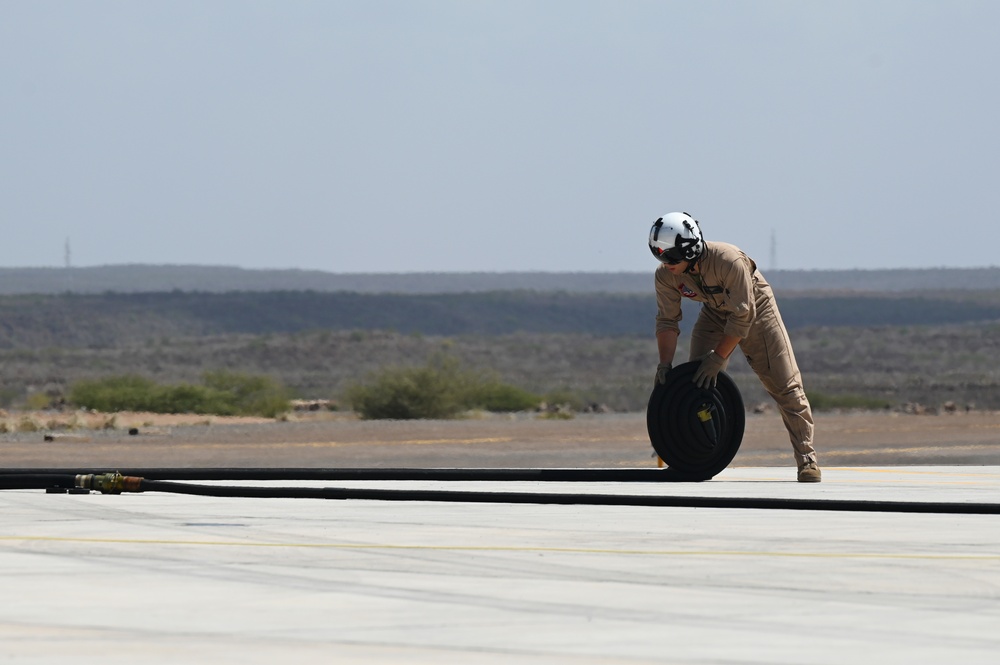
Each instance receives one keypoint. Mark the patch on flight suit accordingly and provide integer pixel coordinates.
(686, 292)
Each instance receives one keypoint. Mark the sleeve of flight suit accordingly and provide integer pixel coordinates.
(668, 302)
(737, 277)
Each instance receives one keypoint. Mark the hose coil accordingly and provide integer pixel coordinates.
(695, 431)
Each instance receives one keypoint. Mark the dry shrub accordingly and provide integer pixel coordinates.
(28, 424)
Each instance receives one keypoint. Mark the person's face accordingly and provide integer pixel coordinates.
(677, 268)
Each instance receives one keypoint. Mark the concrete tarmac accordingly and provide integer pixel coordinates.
(167, 578)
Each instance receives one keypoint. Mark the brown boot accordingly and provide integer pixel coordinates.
(810, 473)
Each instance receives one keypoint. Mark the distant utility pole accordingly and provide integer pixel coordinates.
(774, 250)
(69, 267)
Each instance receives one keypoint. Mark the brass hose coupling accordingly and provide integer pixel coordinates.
(108, 483)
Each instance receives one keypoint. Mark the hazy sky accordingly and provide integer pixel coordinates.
(473, 135)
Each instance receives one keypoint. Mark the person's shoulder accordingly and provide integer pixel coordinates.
(722, 258)
(722, 248)
(720, 254)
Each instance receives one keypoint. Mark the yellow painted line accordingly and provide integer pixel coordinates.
(912, 472)
(945, 477)
(334, 444)
(488, 548)
(500, 439)
(424, 442)
(915, 449)
(901, 470)
(917, 428)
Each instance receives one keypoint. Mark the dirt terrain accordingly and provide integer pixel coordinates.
(331, 440)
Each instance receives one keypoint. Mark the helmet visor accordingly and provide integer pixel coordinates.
(669, 255)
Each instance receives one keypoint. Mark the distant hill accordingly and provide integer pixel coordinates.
(222, 279)
(112, 319)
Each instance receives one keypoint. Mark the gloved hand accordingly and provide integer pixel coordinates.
(708, 371)
(661, 373)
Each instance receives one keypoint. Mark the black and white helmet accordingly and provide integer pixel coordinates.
(676, 237)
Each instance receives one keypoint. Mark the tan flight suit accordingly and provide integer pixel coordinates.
(738, 301)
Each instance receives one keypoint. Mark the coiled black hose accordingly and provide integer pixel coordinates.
(695, 431)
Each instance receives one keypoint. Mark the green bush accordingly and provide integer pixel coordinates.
(223, 394)
(440, 389)
(249, 394)
(399, 393)
(503, 398)
(187, 398)
(116, 393)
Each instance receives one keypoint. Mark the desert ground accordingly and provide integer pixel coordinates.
(339, 440)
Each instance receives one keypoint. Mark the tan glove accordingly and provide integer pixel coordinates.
(708, 371)
(661, 373)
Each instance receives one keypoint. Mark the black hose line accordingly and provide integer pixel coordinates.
(695, 431)
(33, 480)
(402, 474)
(115, 483)
(546, 498)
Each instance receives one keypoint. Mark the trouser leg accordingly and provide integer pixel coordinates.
(769, 353)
